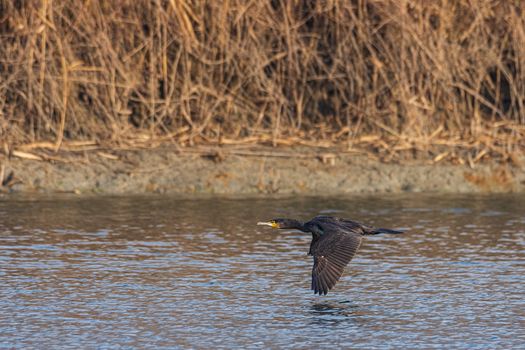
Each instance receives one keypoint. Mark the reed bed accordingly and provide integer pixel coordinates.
(439, 79)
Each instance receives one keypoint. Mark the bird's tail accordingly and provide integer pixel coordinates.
(376, 231)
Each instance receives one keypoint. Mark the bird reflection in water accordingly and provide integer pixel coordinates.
(335, 312)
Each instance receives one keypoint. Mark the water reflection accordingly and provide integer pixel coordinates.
(342, 308)
(169, 272)
(334, 313)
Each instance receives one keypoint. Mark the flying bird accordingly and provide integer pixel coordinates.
(334, 243)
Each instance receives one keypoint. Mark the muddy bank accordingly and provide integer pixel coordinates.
(247, 171)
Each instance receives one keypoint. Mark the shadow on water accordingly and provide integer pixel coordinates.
(334, 313)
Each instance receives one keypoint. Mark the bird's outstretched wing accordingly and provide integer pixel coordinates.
(332, 252)
(345, 224)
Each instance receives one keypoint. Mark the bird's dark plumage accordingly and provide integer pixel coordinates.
(335, 241)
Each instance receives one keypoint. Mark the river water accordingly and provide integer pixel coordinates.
(168, 272)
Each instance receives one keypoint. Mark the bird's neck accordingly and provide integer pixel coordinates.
(296, 224)
(301, 226)
(316, 230)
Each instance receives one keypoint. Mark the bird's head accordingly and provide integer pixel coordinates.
(282, 223)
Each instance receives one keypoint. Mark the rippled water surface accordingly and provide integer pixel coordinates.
(165, 272)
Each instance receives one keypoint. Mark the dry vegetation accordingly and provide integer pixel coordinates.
(442, 79)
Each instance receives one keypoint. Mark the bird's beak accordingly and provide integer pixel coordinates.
(268, 223)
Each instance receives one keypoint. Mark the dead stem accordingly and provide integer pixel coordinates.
(382, 77)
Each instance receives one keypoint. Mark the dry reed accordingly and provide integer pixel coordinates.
(429, 77)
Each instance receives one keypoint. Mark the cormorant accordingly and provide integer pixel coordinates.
(334, 243)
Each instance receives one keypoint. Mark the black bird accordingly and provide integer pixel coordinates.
(334, 243)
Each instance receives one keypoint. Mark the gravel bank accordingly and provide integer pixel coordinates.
(233, 171)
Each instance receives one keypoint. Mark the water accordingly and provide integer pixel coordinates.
(165, 272)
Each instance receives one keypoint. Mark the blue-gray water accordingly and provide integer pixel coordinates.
(163, 272)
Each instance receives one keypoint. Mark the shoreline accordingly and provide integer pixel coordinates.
(171, 170)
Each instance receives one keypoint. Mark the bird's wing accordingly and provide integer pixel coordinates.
(346, 224)
(332, 252)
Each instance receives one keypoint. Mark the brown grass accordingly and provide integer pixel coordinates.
(442, 78)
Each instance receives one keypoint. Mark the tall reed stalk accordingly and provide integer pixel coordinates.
(394, 75)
